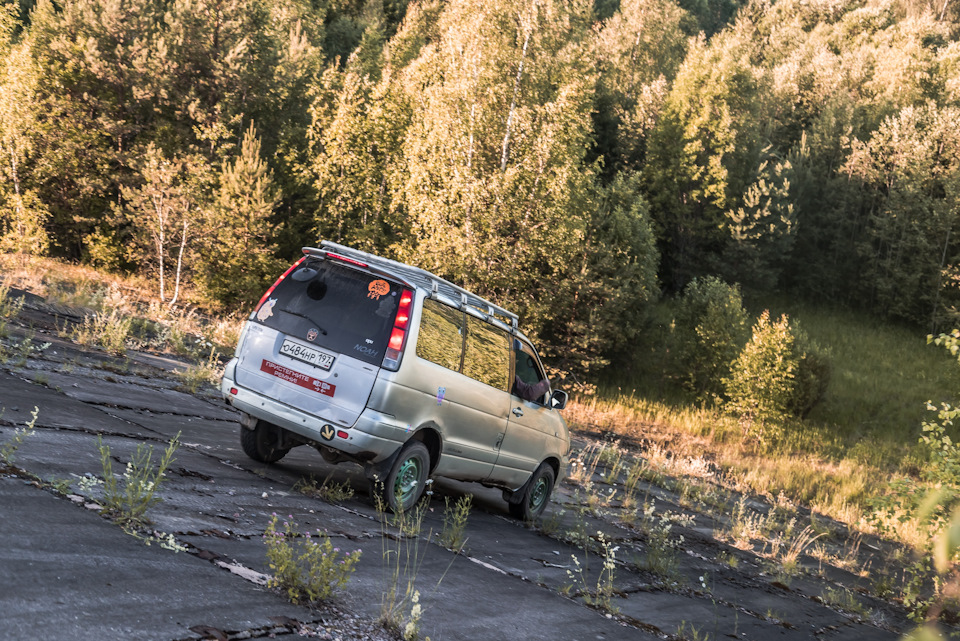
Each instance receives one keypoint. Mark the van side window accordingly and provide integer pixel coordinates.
(441, 335)
(526, 368)
(487, 358)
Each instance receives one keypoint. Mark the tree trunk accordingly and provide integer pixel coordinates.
(516, 90)
(183, 243)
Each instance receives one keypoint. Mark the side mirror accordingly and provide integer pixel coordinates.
(558, 400)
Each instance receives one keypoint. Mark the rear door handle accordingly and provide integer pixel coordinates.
(517, 412)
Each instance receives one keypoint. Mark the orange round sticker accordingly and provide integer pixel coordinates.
(378, 288)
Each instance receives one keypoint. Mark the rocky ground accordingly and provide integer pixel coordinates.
(663, 552)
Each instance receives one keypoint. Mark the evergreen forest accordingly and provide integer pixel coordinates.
(573, 160)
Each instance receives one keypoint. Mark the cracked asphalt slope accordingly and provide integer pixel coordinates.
(65, 572)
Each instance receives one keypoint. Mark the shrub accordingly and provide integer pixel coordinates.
(762, 382)
(711, 328)
(779, 373)
(813, 373)
(107, 330)
(308, 567)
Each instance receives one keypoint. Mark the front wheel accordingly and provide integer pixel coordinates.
(535, 495)
(262, 443)
(407, 478)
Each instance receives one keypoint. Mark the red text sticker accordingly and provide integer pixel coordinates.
(291, 376)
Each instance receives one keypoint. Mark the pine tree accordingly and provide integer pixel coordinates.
(238, 249)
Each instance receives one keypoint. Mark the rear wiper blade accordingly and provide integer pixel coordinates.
(304, 317)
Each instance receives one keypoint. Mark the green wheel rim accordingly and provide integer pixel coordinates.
(408, 477)
(539, 494)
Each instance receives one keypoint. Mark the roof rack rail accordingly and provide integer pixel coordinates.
(438, 287)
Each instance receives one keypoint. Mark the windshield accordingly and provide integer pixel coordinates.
(334, 307)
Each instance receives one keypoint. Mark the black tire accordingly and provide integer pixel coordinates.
(535, 495)
(262, 442)
(406, 479)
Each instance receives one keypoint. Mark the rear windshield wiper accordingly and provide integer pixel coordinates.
(304, 317)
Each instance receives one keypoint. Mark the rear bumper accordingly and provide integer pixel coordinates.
(364, 441)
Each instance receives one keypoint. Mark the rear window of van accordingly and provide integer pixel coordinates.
(334, 307)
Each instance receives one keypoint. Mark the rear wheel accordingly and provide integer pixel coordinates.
(407, 478)
(262, 443)
(535, 495)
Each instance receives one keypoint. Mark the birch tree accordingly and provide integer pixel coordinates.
(497, 179)
(23, 214)
(164, 218)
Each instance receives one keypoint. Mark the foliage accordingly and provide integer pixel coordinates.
(306, 566)
(711, 329)
(762, 382)
(238, 262)
(568, 160)
(9, 308)
(933, 503)
(780, 373)
(23, 215)
(813, 375)
(332, 492)
(107, 330)
(455, 522)
(601, 594)
(8, 449)
(912, 165)
(206, 372)
(127, 501)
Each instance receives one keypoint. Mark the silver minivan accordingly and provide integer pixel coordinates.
(387, 365)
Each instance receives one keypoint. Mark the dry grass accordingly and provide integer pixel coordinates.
(706, 445)
(184, 330)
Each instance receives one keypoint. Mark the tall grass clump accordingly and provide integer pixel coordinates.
(107, 330)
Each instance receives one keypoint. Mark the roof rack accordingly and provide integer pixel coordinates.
(438, 287)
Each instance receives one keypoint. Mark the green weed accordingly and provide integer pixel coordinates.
(661, 546)
(455, 522)
(327, 491)
(109, 331)
(402, 557)
(306, 566)
(23, 350)
(8, 449)
(601, 594)
(844, 600)
(9, 308)
(686, 631)
(127, 501)
(204, 373)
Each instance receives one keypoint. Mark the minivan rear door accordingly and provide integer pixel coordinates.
(316, 343)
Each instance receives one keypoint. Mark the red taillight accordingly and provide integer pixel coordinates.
(403, 310)
(391, 360)
(342, 434)
(346, 260)
(274, 286)
(396, 339)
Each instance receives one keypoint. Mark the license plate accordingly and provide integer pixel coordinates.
(306, 354)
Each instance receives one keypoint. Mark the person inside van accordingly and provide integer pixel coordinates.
(528, 383)
(530, 391)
